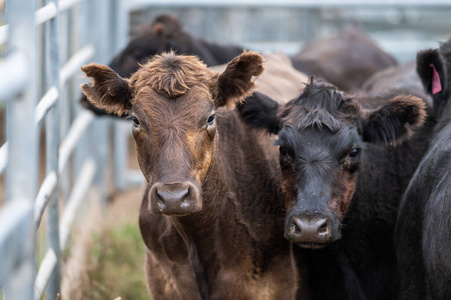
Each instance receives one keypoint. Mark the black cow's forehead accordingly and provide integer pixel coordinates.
(310, 140)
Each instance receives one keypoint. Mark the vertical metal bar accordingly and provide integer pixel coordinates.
(65, 117)
(22, 170)
(100, 130)
(121, 129)
(52, 144)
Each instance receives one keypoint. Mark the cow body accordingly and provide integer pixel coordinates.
(342, 179)
(212, 215)
(345, 60)
(422, 236)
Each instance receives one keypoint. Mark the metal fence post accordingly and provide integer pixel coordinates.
(121, 129)
(21, 180)
(52, 145)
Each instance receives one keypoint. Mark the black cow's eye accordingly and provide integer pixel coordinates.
(282, 150)
(135, 122)
(354, 152)
(210, 120)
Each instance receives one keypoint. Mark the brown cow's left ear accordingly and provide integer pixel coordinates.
(394, 122)
(236, 82)
(109, 91)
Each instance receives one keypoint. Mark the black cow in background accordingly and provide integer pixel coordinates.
(423, 229)
(346, 60)
(163, 35)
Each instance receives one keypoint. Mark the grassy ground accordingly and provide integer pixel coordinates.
(110, 259)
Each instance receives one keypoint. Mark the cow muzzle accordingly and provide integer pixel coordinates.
(175, 199)
(309, 231)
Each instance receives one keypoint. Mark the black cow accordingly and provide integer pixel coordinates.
(345, 60)
(343, 172)
(423, 229)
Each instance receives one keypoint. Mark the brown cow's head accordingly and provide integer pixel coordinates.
(322, 136)
(172, 101)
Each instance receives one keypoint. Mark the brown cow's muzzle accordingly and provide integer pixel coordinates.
(174, 199)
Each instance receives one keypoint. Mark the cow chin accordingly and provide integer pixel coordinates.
(174, 199)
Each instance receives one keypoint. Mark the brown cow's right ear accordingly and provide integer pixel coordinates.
(236, 82)
(109, 91)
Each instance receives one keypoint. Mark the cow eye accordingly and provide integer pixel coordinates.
(354, 152)
(135, 122)
(210, 120)
(282, 150)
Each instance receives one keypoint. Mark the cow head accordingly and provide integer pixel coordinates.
(164, 34)
(322, 136)
(172, 100)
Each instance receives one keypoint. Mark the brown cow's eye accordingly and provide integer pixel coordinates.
(354, 152)
(135, 122)
(210, 120)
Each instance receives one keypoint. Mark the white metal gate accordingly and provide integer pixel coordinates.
(39, 80)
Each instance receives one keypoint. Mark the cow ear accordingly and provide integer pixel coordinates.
(109, 92)
(395, 121)
(433, 71)
(260, 111)
(236, 81)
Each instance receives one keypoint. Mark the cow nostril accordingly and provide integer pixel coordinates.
(159, 196)
(323, 229)
(294, 229)
(185, 199)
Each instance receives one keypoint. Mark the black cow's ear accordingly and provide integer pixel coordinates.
(236, 82)
(434, 73)
(109, 92)
(260, 111)
(395, 121)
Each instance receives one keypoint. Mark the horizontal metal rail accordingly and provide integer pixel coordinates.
(46, 268)
(73, 65)
(136, 4)
(45, 104)
(46, 13)
(3, 157)
(4, 33)
(15, 219)
(42, 15)
(13, 75)
(73, 136)
(80, 188)
(47, 188)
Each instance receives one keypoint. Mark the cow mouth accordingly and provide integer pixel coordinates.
(313, 246)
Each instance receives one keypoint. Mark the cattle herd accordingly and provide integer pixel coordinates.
(339, 193)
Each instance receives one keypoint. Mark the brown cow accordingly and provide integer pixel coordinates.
(212, 216)
(345, 60)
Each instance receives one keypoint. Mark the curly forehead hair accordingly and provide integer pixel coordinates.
(173, 75)
(321, 105)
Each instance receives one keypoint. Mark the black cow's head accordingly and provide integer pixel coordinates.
(322, 136)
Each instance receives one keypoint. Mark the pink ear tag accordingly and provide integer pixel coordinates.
(436, 85)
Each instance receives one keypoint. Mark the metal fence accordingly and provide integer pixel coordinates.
(39, 81)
